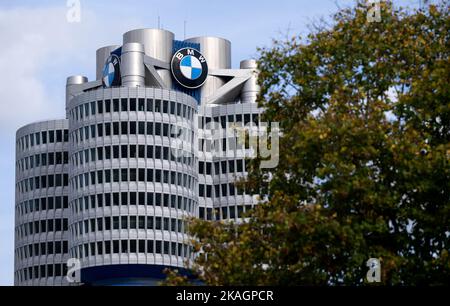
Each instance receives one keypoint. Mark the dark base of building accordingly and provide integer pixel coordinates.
(127, 275)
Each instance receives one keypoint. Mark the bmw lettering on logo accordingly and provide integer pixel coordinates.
(111, 72)
(189, 68)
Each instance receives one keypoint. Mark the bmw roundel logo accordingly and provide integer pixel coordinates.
(111, 71)
(189, 68)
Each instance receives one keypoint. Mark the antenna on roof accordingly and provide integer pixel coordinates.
(185, 24)
(159, 22)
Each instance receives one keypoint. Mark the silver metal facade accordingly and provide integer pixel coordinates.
(158, 44)
(132, 66)
(222, 161)
(129, 185)
(251, 89)
(217, 52)
(41, 224)
(130, 194)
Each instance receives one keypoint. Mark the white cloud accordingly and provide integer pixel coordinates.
(40, 50)
(22, 95)
(32, 36)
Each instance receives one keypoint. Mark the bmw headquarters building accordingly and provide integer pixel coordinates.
(110, 187)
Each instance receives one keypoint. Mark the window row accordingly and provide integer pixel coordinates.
(42, 271)
(43, 137)
(42, 226)
(124, 128)
(132, 105)
(220, 190)
(43, 159)
(223, 144)
(133, 246)
(42, 204)
(127, 223)
(43, 181)
(132, 198)
(132, 151)
(133, 175)
(42, 249)
(222, 167)
(223, 121)
(225, 212)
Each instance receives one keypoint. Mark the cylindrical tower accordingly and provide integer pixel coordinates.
(113, 184)
(41, 208)
(130, 188)
(71, 85)
(102, 55)
(251, 89)
(217, 52)
(157, 44)
(132, 65)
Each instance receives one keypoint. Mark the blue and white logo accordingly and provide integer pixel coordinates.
(189, 68)
(111, 71)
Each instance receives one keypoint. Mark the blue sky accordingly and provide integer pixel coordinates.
(40, 49)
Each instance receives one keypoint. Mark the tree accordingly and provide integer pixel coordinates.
(364, 158)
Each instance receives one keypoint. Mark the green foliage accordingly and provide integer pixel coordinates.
(173, 278)
(364, 159)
